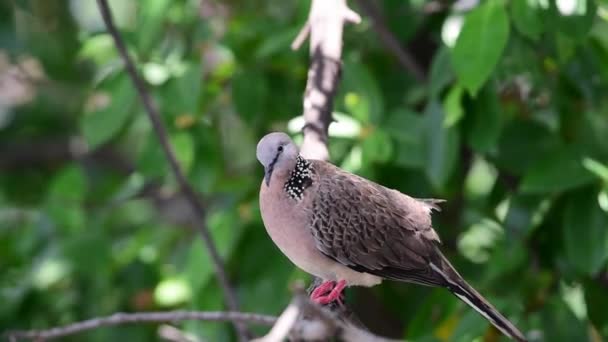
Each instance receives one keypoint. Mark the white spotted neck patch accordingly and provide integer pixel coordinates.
(299, 180)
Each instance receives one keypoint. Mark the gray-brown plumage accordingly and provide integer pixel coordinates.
(343, 228)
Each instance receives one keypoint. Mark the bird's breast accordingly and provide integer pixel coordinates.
(286, 221)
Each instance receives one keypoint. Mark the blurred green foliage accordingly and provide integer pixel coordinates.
(511, 128)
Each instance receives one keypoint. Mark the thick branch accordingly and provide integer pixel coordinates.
(391, 42)
(326, 21)
(162, 135)
(143, 317)
(325, 26)
(303, 320)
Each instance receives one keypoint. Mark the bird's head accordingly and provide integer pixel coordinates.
(276, 151)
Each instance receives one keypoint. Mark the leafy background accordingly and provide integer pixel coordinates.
(511, 127)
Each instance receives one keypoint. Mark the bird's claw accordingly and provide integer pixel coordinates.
(321, 296)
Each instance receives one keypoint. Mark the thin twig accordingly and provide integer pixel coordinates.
(301, 37)
(170, 333)
(283, 326)
(391, 42)
(162, 135)
(142, 317)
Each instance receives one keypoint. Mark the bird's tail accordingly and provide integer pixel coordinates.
(461, 289)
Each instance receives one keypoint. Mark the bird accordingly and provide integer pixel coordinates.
(350, 231)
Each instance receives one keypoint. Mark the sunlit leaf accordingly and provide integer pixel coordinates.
(452, 106)
(172, 291)
(99, 48)
(573, 18)
(479, 239)
(365, 102)
(183, 145)
(480, 179)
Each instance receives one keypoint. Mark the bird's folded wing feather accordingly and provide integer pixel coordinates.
(371, 228)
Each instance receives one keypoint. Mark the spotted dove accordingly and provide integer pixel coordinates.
(350, 231)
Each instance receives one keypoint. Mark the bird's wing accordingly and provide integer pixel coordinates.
(372, 229)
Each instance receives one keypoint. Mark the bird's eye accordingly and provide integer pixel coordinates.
(280, 149)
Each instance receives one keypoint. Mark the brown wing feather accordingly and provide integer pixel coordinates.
(373, 229)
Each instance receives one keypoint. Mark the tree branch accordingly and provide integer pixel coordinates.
(141, 317)
(391, 42)
(185, 187)
(325, 27)
(326, 21)
(304, 320)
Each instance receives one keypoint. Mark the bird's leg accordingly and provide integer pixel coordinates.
(334, 295)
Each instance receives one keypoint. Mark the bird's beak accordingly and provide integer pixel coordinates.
(268, 174)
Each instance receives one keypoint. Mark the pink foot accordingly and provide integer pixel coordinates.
(322, 290)
(335, 295)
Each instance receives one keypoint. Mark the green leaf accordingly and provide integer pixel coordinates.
(275, 43)
(560, 324)
(571, 18)
(69, 185)
(363, 98)
(211, 298)
(521, 144)
(471, 327)
(452, 106)
(565, 46)
(558, 170)
(88, 253)
(377, 147)
(485, 121)
(151, 161)
(480, 44)
(478, 241)
(64, 203)
(527, 18)
(599, 169)
(172, 291)
(442, 145)
(182, 93)
(250, 94)
(225, 231)
(406, 128)
(151, 17)
(183, 145)
(480, 179)
(441, 72)
(524, 213)
(596, 299)
(99, 48)
(585, 233)
(116, 101)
